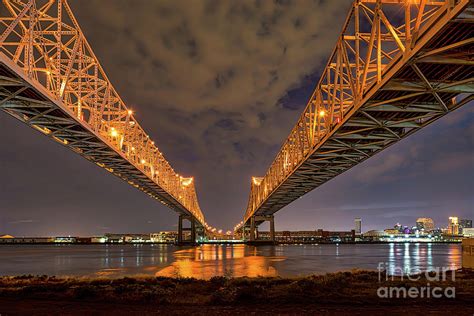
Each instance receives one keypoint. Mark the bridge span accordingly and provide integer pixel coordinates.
(398, 65)
(51, 80)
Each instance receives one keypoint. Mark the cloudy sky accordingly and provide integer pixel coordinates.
(218, 85)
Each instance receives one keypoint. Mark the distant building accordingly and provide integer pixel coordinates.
(114, 238)
(310, 236)
(425, 223)
(67, 239)
(26, 240)
(468, 232)
(464, 223)
(358, 226)
(453, 225)
(398, 227)
(83, 240)
(127, 238)
(392, 231)
(98, 239)
(137, 238)
(406, 230)
(375, 234)
(164, 237)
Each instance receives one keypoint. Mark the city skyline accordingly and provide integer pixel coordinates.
(428, 174)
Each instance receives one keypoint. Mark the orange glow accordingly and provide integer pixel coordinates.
(186, 181)
(257, 180)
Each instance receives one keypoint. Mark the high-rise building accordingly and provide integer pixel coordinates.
(464, 223)
(398, 227)
(358, 226)
(453, 225)
(425, 223)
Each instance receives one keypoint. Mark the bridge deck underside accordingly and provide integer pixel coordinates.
(420, 92)
(25, 101)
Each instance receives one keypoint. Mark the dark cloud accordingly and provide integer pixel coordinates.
(218, 85)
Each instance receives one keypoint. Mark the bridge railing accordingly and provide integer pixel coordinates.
(44, 39)
(375, 36)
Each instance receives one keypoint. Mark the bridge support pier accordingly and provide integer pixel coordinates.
(182, 240)
(257, 220)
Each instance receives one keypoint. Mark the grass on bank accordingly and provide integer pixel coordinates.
(350, 288)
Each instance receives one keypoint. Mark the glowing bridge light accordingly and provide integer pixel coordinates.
(322, 113)
(186, 181)
(130, 112)
(257, 180)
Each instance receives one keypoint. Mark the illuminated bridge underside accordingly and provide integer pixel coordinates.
(51, 80)
(395, 69)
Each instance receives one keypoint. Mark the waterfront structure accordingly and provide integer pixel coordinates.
(98, 239)
(27, 240)
(468, 232)
(392, 231)
(65, 239)
(137, 238)
(164, 237)
(425, 223)
(397, 67)
(374, 233)
(309, 236)
(393, 235)
(358, 226)
(468, 253)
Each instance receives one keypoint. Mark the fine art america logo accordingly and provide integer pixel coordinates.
(423, 287)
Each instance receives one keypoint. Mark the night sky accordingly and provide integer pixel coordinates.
(218, 85)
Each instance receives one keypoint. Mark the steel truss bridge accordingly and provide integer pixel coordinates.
(398, 65)
(51, 80)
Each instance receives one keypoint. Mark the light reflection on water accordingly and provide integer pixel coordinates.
(207, 261)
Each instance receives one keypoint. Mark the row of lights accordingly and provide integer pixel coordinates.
(236, 227)
(185, 182)
(215, 230)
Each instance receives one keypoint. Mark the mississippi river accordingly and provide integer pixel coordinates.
(207, 261)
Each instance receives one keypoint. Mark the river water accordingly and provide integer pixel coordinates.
(207, 261)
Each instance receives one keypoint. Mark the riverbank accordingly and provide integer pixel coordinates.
(342, 292)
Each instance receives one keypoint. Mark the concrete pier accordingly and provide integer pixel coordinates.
(253, 229)
(468, 253)
(182, 240)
